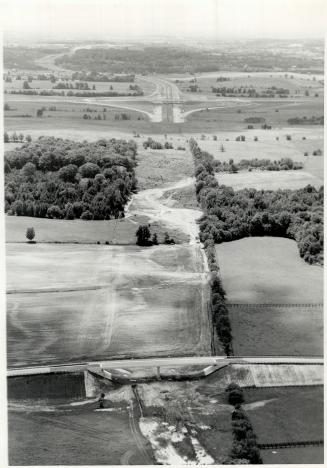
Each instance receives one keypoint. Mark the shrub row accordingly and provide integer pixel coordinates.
(244, 439)
(218, 304)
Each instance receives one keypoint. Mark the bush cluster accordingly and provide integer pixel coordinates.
(230, 215)
(58, 178)
(150, 143)
(245, 441)
(314, 120)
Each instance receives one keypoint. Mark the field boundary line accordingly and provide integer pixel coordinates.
(279, 305)
(304, 443)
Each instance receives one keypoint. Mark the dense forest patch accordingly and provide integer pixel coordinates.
(58, 178)
(231, 215)
(159, 59)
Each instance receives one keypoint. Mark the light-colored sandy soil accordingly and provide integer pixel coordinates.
(157, 168)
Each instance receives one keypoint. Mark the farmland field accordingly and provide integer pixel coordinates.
(120, 301)
(269, 180)
(295, 456)
(264, 331)
(267, 147)
(115, 231)
(268, 270)
(232, 117)
(286, 414)
(51, 431)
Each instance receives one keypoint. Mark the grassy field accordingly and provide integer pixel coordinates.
(277, 330)
(120, 231)
(120, 301)
(157, 168)
(268, 270)
(295, 456)
(267, 147)
(119, 87)
(266, 180)
(259, 81)
(231, 118)
(286, 414)
(76, 435)
(69, 114)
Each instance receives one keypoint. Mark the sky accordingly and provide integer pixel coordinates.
(189, 19)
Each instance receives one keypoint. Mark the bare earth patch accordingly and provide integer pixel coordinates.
(157, 168)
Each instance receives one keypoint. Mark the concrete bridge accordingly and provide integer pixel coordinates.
(209, 363)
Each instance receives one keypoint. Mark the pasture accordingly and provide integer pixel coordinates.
(295, 456)
(119, 87)
(232, 117)
(44, 432)
(268, 270)
(286, 414)
(276, 330)
(260, 81)
(269, 180)
(115, 231)
(120, 301)
(65, 112)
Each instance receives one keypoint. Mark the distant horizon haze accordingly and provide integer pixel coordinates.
(161, 20)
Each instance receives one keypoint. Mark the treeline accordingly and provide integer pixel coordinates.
(306, 121)
(230, 215)
(50, 92)
(15, 138)
(284, 164)
(243, 91)
(245, 445)
(58, 178)
(218, 307)
(159, 59)
(101, 77)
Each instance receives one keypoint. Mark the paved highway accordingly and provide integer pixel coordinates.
(165, 362)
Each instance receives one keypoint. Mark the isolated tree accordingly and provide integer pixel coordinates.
(21, 137)
(143, 235)
(28, 138)
(14, 137)
(155, 239)
(222, 148)
(30, 234)
(6, 137)
(6, 107)
(234, 394)
(26, 85)
(39, 113)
